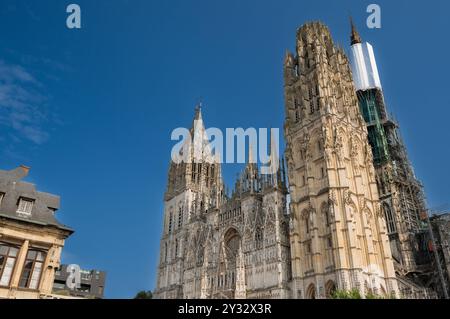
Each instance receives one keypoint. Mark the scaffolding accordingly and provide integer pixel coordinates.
(438, 244)
(399, 187)
(372, 114)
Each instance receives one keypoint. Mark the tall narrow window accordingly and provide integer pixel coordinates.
(25, 206)
(327, 216)
(32, 269)
(176, 248)
(329, 242)
(8, 256)
(180, 217)
(165, 252)
(308, 247)
(259, 238)
(1, 197)
(194, 168)
(170, 221)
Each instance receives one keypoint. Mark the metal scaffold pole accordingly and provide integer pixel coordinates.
(436, 256)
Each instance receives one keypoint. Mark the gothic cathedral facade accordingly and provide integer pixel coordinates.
(218, 245)
(301, 234)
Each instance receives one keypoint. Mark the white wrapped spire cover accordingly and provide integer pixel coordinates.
(364, 67)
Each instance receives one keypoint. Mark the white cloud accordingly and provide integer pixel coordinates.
(22, 106)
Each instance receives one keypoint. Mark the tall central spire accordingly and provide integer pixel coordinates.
(355, 37)
(198, 111)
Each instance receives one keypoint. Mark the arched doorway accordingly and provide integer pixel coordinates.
(330, 288)
(228, 268)
(232, 241)
(311, 292)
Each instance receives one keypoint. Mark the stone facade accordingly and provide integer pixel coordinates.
(216, 245)
(31, 239)
(356, 210)
(338, 232)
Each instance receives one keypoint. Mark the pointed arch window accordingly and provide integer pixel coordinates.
(326, 214)
(390, 219)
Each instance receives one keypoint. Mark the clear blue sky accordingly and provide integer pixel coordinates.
(91, 110)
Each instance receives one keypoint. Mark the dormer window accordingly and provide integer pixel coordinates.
(25, 206)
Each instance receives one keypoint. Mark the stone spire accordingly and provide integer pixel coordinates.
(198, 112)
(355, 37)
(289, 59)
(251, 157)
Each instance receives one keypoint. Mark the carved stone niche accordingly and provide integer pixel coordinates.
(362, 203)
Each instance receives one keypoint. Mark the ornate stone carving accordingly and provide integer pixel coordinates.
(362, 203)
(354, 147)
(338, 146)
(347, 197)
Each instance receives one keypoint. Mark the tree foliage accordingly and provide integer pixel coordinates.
(356, 294)
(144, 295)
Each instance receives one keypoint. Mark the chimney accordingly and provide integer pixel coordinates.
(20, 172)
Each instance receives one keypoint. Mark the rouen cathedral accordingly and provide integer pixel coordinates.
(343, 211)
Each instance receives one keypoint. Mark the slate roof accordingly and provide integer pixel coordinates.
(44, 207)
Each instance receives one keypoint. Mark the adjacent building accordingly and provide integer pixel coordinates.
(31, 238)
(91, 285)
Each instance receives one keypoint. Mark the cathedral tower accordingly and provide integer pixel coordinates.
(194, 185)
(401, 194)
(338, 232)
